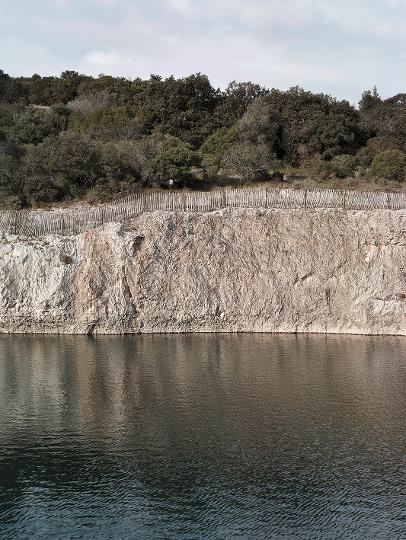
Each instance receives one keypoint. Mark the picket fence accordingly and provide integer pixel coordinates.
(76, 220)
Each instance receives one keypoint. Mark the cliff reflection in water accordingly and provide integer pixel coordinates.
(202, 436)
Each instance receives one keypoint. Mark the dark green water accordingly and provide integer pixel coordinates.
(210, 436)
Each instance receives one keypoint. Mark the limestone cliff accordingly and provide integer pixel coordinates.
(224, 271)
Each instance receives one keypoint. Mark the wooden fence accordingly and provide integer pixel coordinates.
(76, 220)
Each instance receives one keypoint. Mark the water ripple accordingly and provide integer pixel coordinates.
(197, 437)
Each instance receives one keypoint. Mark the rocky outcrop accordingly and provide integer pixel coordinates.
(231, 270)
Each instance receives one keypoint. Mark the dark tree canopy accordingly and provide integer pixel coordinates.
(77, 136)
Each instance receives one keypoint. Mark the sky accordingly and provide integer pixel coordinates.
(340, 47)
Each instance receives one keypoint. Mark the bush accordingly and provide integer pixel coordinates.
(250, 162)
(318, 167)
(10, 202)
(105, 123)
(343, 166)
(11, 90)
(389, 165)
(366, 154)
(41, 189)
(121, 162)
(78, 136)
(35, 125)
(215, 147)
(11, 156)
(174, 160)
(61, 167)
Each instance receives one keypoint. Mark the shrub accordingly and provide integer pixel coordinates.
(34, 125)
(215, 147)
(343, 165)
(389, 165)
(121, 162)
(249, 161)
(41, 189)
(61, 168)
(11, 156)
(318, 167)
(366, 154)
(173, 160)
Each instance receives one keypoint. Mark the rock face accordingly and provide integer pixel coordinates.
(329, 271)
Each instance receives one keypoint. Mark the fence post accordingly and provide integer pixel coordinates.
(305, 198)
(15, 221)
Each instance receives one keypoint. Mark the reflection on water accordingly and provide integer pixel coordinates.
(202, 436)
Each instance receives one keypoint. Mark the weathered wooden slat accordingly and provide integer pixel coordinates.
(73, 221)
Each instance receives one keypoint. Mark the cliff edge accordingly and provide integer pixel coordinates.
(231, 270)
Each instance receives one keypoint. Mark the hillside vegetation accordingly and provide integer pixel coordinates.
(78, 137)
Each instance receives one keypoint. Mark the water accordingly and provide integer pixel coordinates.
(210, 436)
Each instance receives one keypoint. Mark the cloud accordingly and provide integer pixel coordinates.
(186, 8)
(112, 63)
(335, 46)
(268, 14)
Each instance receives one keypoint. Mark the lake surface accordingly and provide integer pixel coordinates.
(202, 436)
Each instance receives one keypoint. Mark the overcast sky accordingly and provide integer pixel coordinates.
(336, 46)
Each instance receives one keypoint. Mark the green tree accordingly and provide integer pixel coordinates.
(215, 147)
(122, 170)
(11, 194)
(387, 119)
(75, 135)
(39, 90)
(369, 99)
(11, 90)
(257, 142)
(314, 124)
(32, 126)
(174, 160)
(106, 123)
(233, 103)
(61, 167)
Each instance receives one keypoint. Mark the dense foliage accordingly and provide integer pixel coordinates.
(75, 136)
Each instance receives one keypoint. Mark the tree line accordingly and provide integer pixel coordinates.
(75, 136)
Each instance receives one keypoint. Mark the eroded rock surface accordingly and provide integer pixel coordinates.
(230, 270)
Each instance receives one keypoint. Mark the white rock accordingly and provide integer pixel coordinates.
(233, 270)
